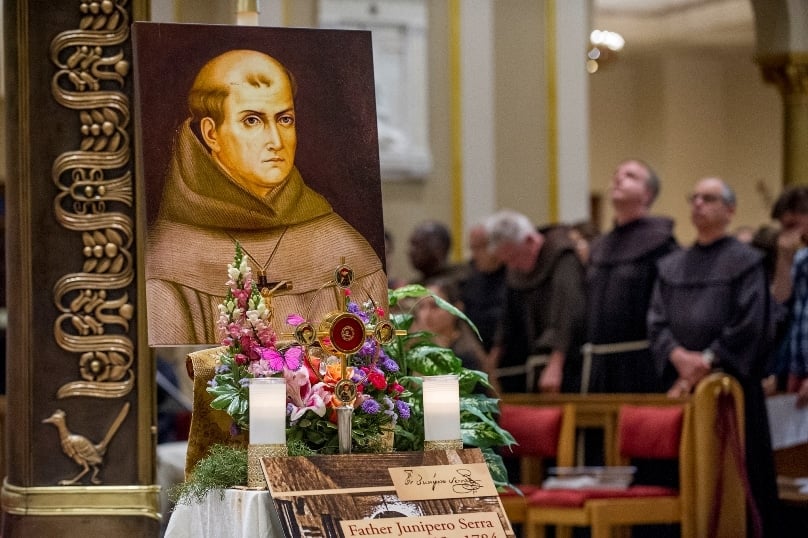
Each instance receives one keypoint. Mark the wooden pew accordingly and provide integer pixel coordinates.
(601, 411)
(594, 410)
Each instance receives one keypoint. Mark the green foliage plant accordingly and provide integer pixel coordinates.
(417, 356)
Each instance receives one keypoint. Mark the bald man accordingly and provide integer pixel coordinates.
(232, 178)
(711, 310)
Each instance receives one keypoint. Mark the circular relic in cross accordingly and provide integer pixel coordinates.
(345, 391)
(384, 332)
(343, 276)
(346, 332)
(305, 334)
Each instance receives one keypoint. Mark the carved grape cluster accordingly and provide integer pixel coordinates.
(100, 130)
(99, 15)
(102, 251)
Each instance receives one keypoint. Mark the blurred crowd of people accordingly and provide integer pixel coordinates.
(562, 308)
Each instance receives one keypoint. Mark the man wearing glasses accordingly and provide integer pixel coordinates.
(711, 309)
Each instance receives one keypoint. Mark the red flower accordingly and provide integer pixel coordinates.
(377, 379)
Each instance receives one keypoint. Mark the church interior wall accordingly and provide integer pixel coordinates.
(521, 133)
(690, 114)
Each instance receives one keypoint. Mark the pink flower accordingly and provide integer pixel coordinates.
(267, 337)
(303, 396)
(241, 298)
(295, 319)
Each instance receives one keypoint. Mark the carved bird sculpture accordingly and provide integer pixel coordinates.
(82, 450)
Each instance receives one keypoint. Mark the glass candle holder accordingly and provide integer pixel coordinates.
(268, 411)
(442, 412)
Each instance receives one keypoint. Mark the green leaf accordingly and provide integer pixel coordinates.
(222, 402)
(449, 307)
(433, 360)
(410, 291)
(499, 474)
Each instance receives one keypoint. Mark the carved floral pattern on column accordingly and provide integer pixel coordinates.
(95, 200)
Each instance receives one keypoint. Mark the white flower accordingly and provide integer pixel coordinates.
(233, 272)
(253, 317)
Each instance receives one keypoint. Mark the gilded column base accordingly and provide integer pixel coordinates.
(82, 500)
(255, 473)
(448, 444)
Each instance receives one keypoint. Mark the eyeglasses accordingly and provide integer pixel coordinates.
(706, 198)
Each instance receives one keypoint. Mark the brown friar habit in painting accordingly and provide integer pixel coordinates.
(254, 135)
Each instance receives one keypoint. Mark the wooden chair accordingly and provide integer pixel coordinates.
(649, 432)
(684, 431)
(719, 502)
(542, 433)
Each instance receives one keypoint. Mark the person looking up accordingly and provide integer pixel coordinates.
(619, 281)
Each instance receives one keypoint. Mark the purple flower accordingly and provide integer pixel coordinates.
(370, 406)
(387, 364)
(353, 308)
(403, 409)
(368, 348)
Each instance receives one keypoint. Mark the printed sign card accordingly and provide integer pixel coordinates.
(440, 494)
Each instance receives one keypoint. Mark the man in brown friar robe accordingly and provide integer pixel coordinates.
(544, 306)
(711, 309)
(620, 279)
(232, 179)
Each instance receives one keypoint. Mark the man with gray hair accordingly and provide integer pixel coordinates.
(542, 321)
(619, 281)
(711, 309)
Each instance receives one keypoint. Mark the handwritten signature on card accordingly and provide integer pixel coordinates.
(461, 482)
(442, 481)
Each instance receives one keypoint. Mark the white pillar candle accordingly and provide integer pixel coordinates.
(441, 408)
(268, 411)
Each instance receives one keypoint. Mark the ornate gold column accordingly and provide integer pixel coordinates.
(790, 73)
(80, 388)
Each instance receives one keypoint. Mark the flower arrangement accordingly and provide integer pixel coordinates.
(252, 349)
(389, 384)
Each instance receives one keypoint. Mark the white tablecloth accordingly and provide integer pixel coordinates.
(240, 514)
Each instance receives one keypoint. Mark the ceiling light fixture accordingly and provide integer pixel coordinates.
(604, 46)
